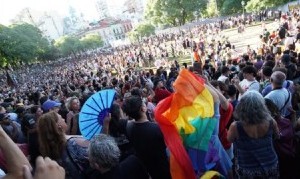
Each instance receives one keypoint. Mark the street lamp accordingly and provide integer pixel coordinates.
(243, 5)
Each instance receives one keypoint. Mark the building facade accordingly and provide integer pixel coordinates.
(50, 23)
(108, 8)
(110, 30)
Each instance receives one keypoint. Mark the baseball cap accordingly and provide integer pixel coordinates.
(12, 116)
(49, 104)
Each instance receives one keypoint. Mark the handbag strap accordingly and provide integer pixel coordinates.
(288, 99)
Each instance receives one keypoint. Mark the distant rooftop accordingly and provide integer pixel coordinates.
(106, 23)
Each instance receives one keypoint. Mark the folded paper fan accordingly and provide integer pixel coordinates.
(94, 111)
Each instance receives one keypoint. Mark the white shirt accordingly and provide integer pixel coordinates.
(288, 41)
(222, 78)
(247, 85)
(2, 174)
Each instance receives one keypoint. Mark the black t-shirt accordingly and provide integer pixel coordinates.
(148, 142)
(33, 144)
(282, 33)
(130, 168)
(118, 131)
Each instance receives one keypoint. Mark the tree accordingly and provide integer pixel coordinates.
(68, 45)
(6, 48)
(142, 30)
(172, 12)
(257, 5)
(231, 7)
(91, 41)
(212, 9)
(22, 43)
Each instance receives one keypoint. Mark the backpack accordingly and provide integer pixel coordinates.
(284, 146)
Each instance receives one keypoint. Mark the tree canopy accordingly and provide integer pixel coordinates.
(212, 8)
(91, 41)
(178, 12)
(256, 5)
(25, 43)
(228, 7)
(71, 45)
(173, 12)
(22, 43)
(142, 30)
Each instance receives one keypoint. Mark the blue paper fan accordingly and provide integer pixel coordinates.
(94, 111)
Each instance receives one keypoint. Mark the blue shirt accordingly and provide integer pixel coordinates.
(287, 84)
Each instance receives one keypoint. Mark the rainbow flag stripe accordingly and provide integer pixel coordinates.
(187, 121)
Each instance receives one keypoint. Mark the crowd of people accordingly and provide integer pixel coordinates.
(258, 95)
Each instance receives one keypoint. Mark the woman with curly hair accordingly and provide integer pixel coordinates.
(73, 106)
(69, 152)
(255, 156)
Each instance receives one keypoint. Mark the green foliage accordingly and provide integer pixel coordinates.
(142, 30)
(23, 42)
(231, 7)
(91, 41)
(173, 12)
(71, 45)
(212, 9)
(68, 45)
(256, 5)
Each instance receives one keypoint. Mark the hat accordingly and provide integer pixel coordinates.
(233, 69)
(12, 116)
(49, 104)
(28, 121)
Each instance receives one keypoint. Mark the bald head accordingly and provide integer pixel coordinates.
(278, 78)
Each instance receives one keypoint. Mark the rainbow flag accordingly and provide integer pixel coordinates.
(187, 121)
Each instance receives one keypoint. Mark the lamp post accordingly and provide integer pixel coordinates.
(243, 5)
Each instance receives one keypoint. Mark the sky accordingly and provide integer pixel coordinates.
(10, 8)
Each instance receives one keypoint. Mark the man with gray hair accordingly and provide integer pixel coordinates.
(279, 95)
(104, 156)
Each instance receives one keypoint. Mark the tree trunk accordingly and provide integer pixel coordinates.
(184, 15)
(74, 54)
(174, 22)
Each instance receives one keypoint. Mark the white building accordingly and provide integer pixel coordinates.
(134, 10)
(111, 30)
(102, 9)
(108, 8)
(135, 6)
(51, 26)
(50, 23)
(74, 22)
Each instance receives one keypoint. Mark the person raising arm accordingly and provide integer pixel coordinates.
(15, 158)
